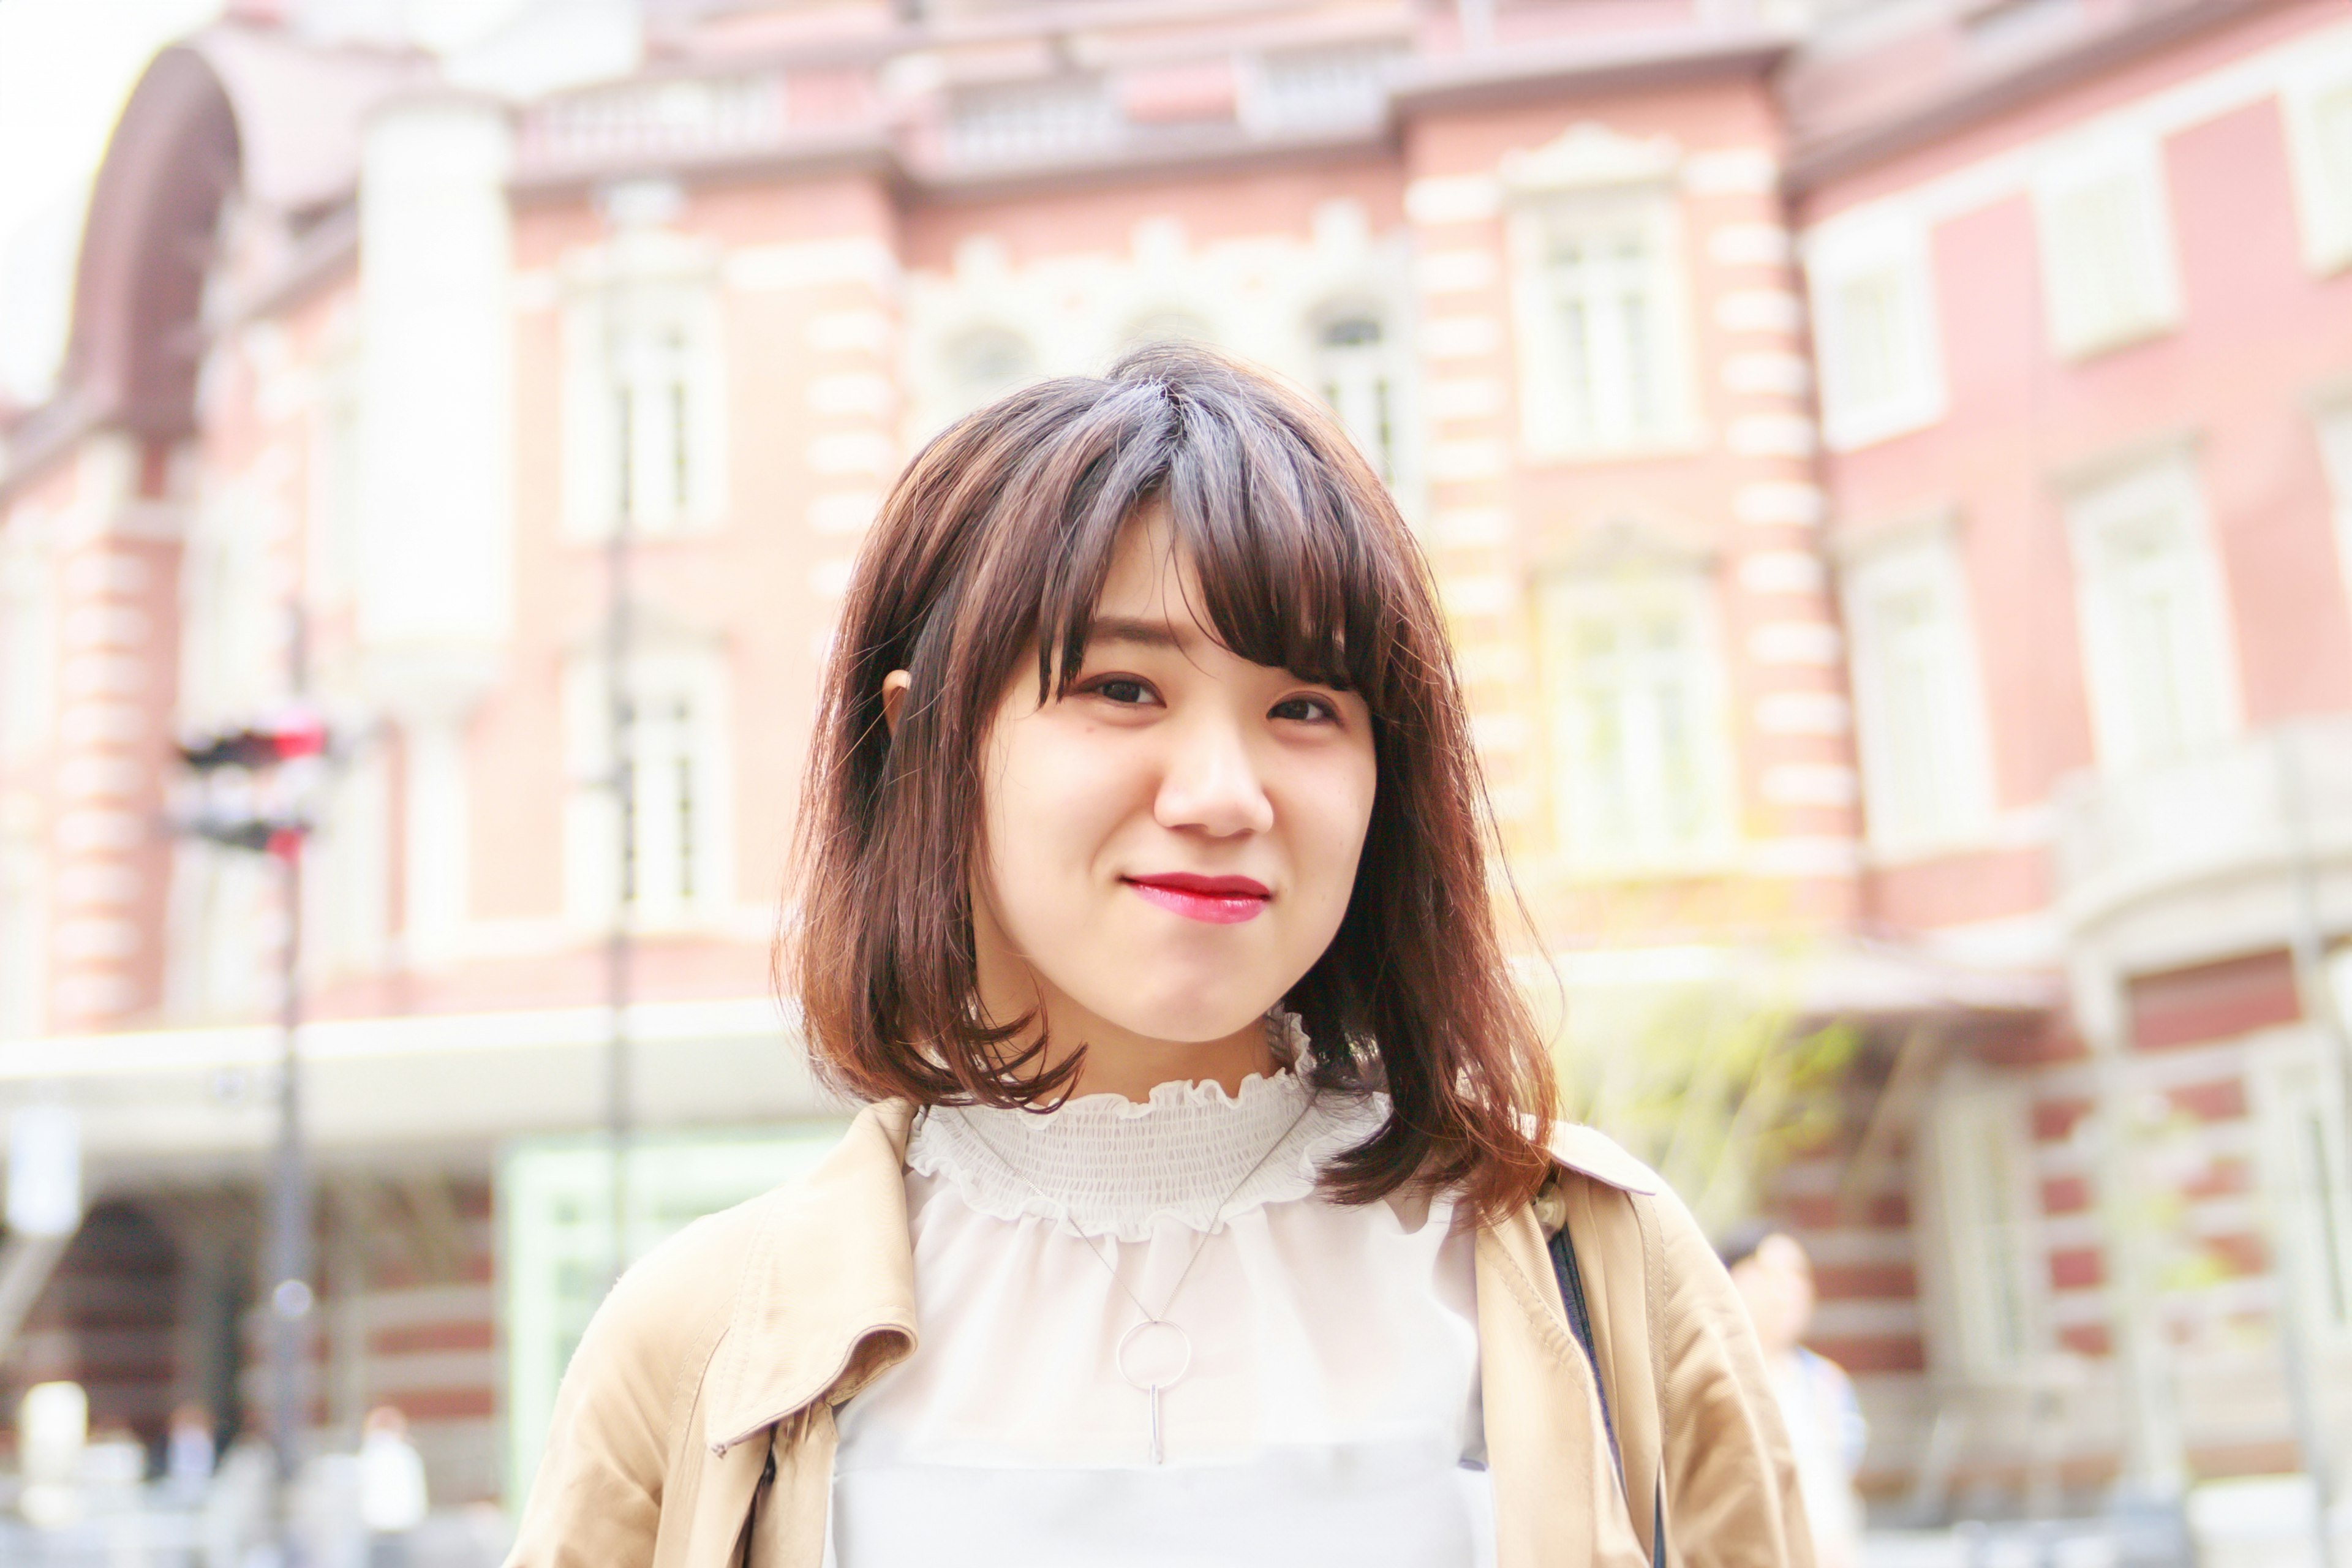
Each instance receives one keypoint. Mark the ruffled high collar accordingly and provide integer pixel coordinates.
(1106, 1165)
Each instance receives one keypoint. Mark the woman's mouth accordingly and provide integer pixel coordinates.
(1218, 900)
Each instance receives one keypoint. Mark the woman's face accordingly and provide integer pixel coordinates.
(1171, 846)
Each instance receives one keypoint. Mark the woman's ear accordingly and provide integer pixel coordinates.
(894, 696)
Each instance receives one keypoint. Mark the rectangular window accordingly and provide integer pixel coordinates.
(1602, 338)
(2108, 265)
(1636, 697)
(645, 415)
(2308, 1169)
(1873, 305)
(656, 831)
(2156, 639)
(1358, 374)
(1322, 89)
(1920, 708)
(1028, 121)
(2318, 110)
(1985, 1266)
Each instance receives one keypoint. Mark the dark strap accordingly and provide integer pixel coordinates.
(1580, 1322)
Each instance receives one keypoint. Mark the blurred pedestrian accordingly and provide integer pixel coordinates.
(1201, 1210)
(1825, 1424)
(391, 1486)
(189, 1454)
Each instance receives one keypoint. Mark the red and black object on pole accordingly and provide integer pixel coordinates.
(255, 787)
(252, 784)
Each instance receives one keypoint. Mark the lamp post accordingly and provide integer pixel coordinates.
(252, 794)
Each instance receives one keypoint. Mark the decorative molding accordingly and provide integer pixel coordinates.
(1588, 155)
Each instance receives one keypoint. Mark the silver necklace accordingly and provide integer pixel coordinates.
(1154, 1355)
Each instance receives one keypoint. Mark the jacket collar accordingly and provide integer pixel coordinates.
(827, 1298)
(1593, 1154)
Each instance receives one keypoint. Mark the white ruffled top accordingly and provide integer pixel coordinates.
(1330, 1410)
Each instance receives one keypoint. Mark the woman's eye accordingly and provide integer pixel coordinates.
(1122, 690)
(1306, 710)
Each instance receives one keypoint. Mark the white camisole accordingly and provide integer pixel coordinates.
(1330, 1413)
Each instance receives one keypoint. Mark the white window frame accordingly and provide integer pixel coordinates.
(1895, 256)
(2084, 318)
(2113, 670)
(610, 312)
(1364, 386)
(1568, 602)
(590, 846)
(1549, 424)
(1985, 1264)
(1919, 562)
(2323, 185)
(2306, 1159)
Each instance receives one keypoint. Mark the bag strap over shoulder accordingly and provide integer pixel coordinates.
(1580, 1322)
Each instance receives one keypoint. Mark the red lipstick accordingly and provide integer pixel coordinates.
(1218, 900)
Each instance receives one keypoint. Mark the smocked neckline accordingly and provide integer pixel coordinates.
(1103, 1164)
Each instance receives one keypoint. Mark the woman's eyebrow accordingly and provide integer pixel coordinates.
(1136, 630)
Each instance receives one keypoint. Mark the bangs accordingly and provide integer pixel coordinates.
(1271, 521)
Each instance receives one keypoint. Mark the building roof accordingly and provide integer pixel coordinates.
(235, 109)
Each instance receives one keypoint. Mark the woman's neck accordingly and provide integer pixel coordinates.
(1122, 1062)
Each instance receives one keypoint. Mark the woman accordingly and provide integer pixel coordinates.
(1193, 1217)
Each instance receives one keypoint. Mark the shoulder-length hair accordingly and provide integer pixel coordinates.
(992, 551)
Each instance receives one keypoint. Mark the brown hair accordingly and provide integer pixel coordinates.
(991, 550)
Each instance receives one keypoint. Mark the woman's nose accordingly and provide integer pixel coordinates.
(1212, 783)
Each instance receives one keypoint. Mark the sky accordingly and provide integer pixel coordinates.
(65, 67)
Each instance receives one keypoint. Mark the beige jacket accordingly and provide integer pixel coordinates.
(695, 1426)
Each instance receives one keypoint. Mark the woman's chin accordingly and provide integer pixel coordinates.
(1181, 1016)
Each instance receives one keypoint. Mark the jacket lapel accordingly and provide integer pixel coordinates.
(1558, 1500)
(827, 1299)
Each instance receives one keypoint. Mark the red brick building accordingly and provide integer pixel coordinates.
(1888, 469)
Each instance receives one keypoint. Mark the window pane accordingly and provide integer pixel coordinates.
(1356, 382)
(2332, 121)
(1603, 277)
(1638, 774)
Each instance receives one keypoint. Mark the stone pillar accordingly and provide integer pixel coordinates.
(436, 591)
(114, 559)
(1787, 659)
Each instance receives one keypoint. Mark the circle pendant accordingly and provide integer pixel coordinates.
(1154, 1354)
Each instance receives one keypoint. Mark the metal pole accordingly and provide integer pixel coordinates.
(621, 720)
(290, 1294)
(2297, 1343)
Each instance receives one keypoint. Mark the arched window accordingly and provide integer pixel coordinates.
(1353, 372)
